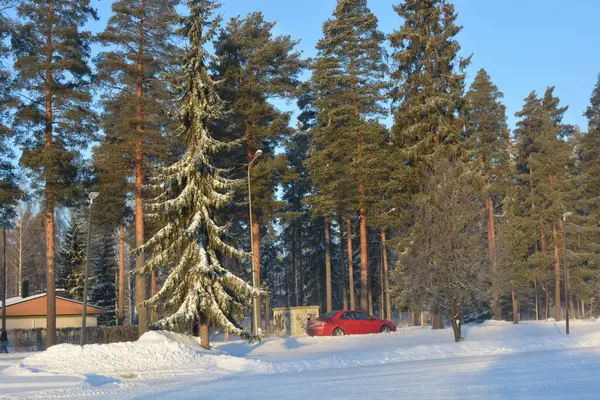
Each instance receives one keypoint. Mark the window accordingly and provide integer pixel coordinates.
(347, 315)
(361, 316)
(329, 315)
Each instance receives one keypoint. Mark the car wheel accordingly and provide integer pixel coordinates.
(338, 332)
(385, 329)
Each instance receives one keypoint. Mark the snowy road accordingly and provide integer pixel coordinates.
(497, 361)
(566, 374)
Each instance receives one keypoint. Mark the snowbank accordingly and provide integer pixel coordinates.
(170, 354)
(156, 351)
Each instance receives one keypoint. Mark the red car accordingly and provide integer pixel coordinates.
(340, 323)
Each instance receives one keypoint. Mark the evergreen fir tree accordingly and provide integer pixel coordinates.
(103, 287)
(429, 109)
(487, 125)
(349, 83)
(585, 250)
(198, 288)
(138, 97)
(10, 192)
(428, 95)
(72, 259)
(56, 118)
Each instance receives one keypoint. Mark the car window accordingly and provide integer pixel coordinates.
(328, 315)
(361, 316)
(347, 315)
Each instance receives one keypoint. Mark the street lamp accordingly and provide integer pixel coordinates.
(91, 196)
(255, 305)
(565, 215)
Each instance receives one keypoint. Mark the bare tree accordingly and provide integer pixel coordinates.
(23, 242)
(444, 267)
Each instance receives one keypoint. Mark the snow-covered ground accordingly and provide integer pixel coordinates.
(497, 361)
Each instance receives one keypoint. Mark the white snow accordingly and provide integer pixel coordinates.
(498, 360)
(155, 353)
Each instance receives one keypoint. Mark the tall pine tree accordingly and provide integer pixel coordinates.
(487, 125)
(141, 37)
(255, 67)
(349, 75)
(55, 119)
(189, 192)
(587, 218)
(428, 98)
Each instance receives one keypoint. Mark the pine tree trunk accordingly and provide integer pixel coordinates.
(294, 280)
(251, 153)
(364, 261)
(557, 309)
(350, 264)
(492, 250)
(455, 312)
(386, 279)
(543, 236)
(121, 299)
(301, 275)
(515, 307)
(329, 306)
(343, 267)
(20, 260)
(226, 335)
(537, 311)
(140, 280)
(370, 293)
(381, 294)
(49, 207)
(204, 332)
(547, 306)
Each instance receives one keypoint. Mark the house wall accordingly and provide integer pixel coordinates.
(35, 306)
(62, 321)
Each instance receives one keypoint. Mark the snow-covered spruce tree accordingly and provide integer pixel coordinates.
(198, 289)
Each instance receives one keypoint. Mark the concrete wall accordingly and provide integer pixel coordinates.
(66, 321)
(292, 320)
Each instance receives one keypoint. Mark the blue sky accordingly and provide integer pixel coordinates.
(524, 45)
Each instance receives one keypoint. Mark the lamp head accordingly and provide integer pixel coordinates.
(93, 195)
(567, 214)
(258, 153)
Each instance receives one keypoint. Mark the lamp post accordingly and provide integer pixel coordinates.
(255, 305)
(91, 196)
(565, 215)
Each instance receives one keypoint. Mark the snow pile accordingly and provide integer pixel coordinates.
(492, 338)
(156, 351)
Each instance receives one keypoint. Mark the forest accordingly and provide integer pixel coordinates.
(393, 187)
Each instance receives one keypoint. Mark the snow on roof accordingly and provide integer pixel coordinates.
(16, 300)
